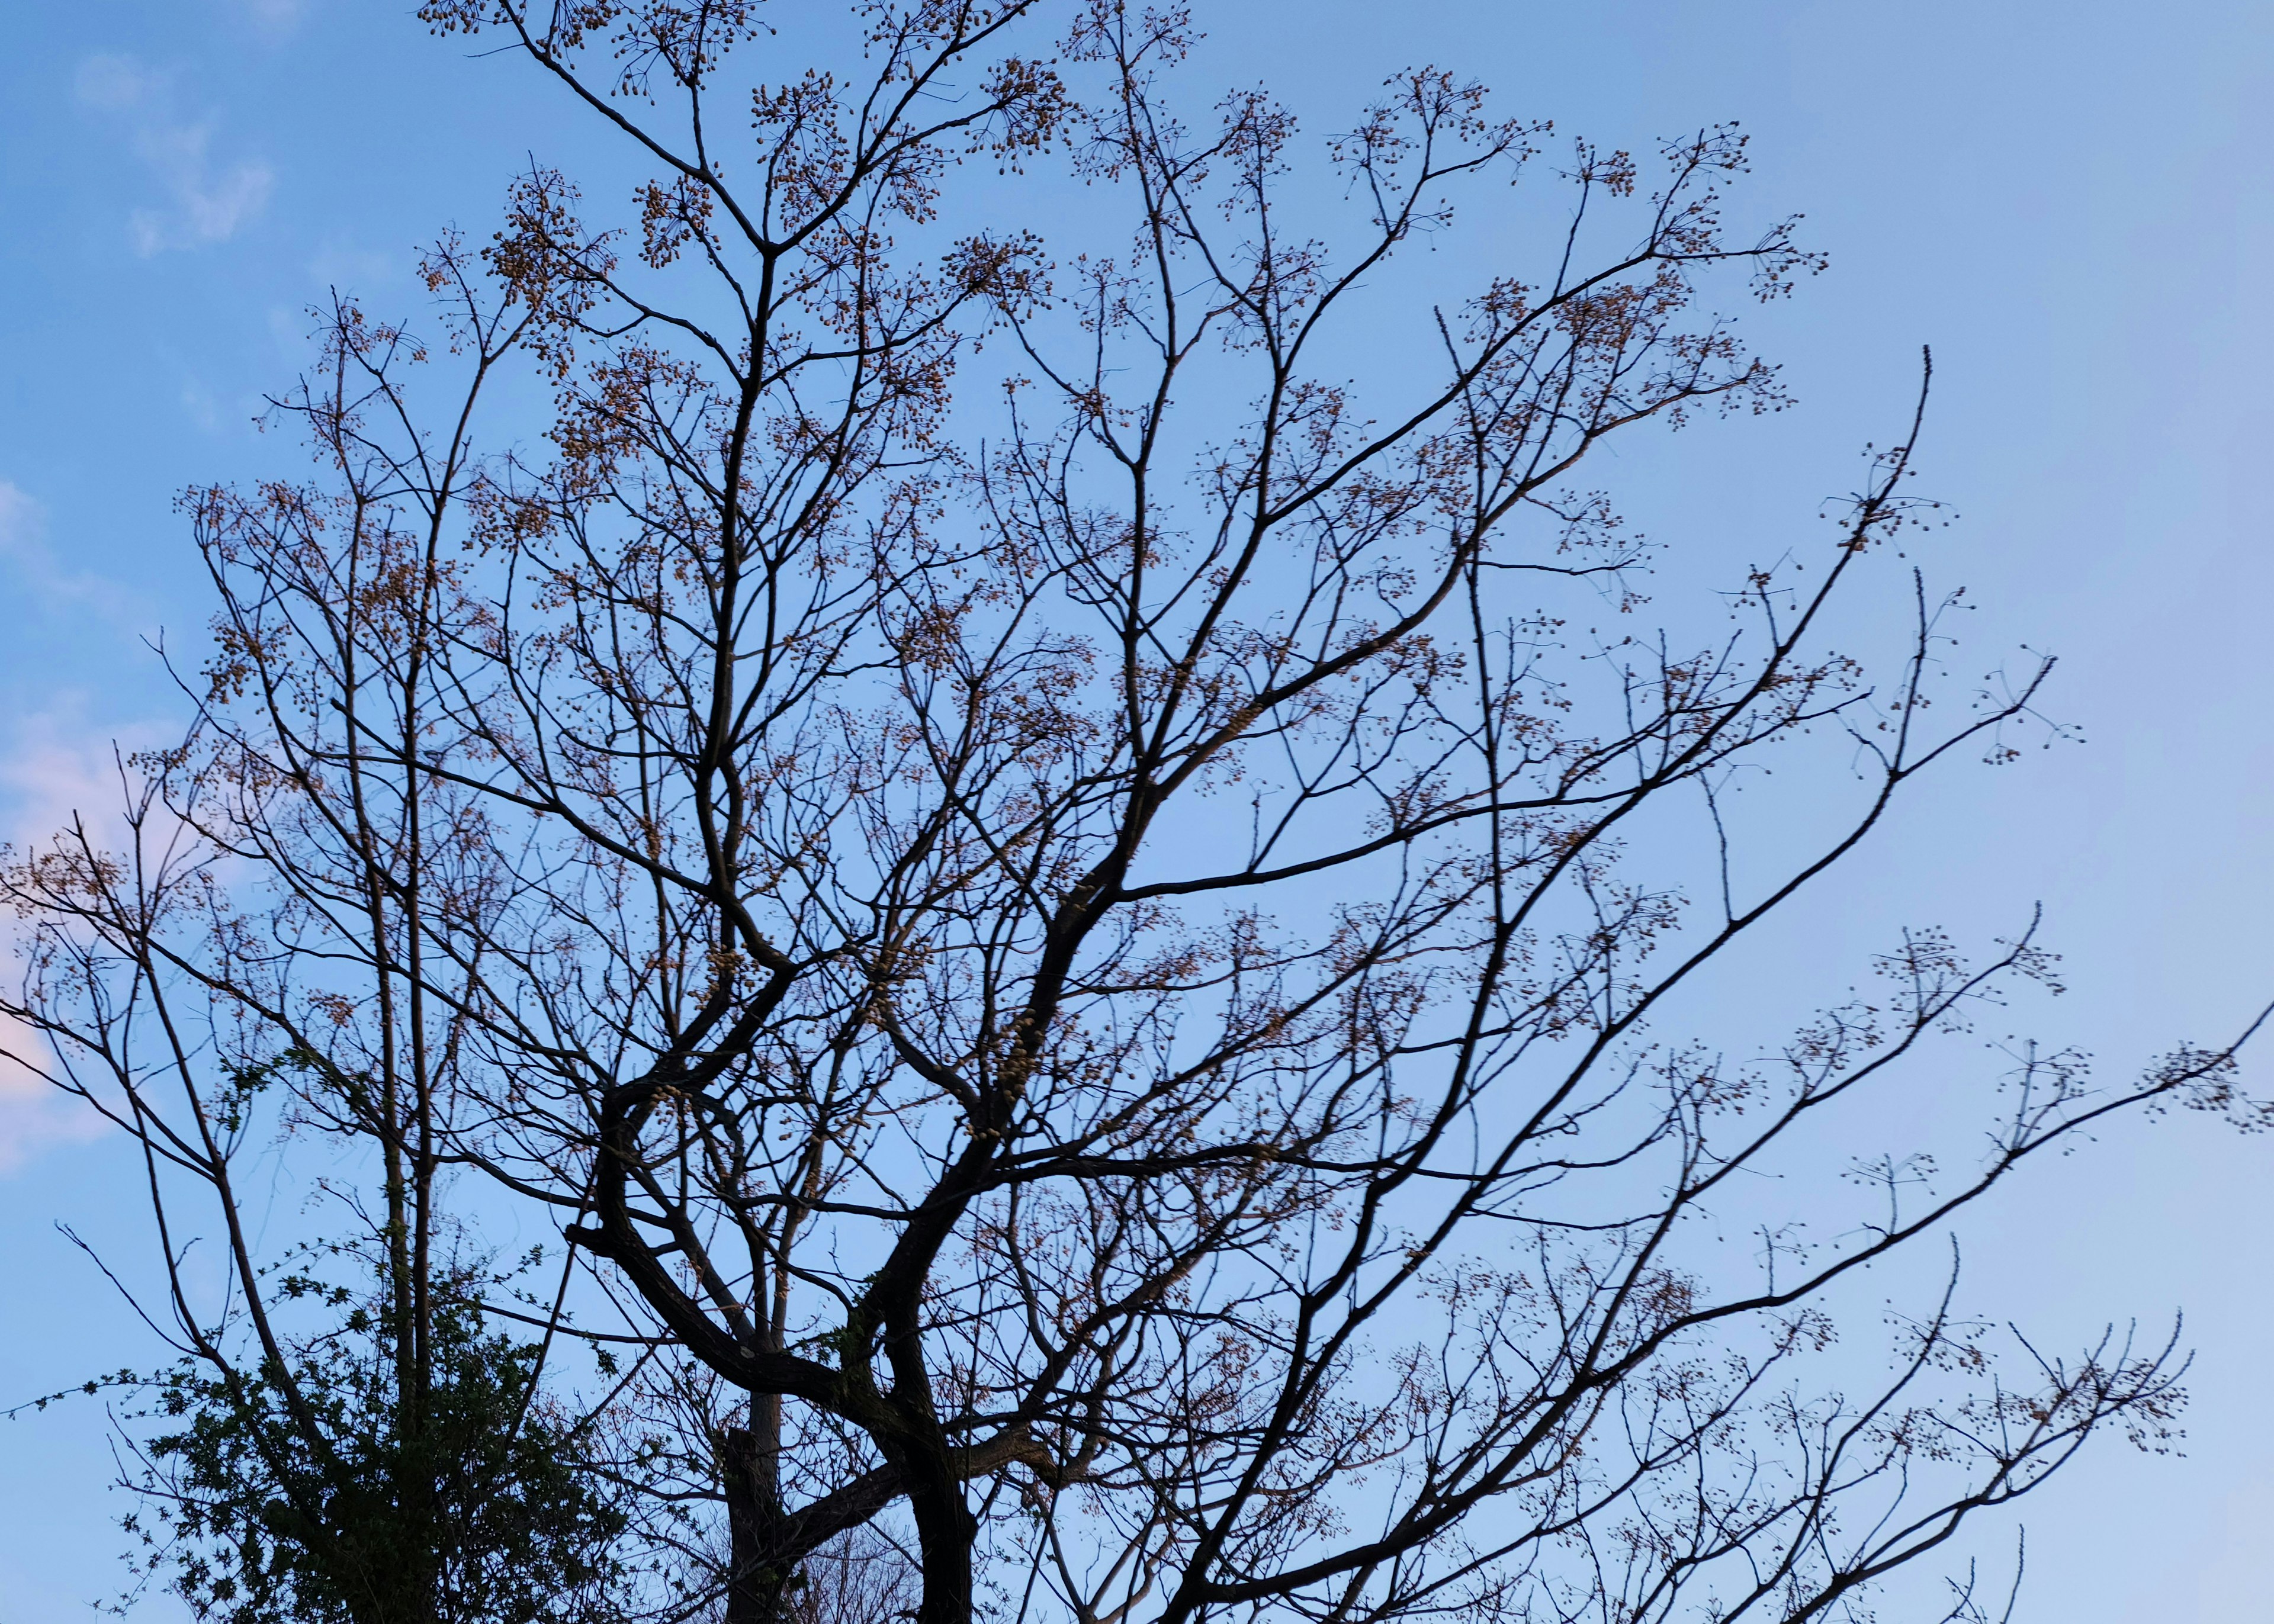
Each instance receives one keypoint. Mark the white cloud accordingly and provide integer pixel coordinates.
(208, 201)
(198, 402)
(23, 537)
(338, 263)
(117, 84)
(25, 551)
(19, 517)
(35, 1116)
(272, 17)
(58, 772)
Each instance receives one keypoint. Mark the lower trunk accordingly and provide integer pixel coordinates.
(758, 1576)
(944, 1532)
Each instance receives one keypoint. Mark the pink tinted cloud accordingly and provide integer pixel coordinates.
(57, 771)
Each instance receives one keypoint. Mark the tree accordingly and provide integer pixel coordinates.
(475, 1509)
(341, 1436)
(1071, 923)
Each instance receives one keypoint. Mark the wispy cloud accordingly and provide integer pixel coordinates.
(203, 410)
(19, 517)
(272, 17)
(339, 263)
(35, 1116)
(208, 201)
(24, 554)
(57, 768)
(55, 772)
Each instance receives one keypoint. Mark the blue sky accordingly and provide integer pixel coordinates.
(2073, 203)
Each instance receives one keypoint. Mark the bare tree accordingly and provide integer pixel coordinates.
(1097, 951)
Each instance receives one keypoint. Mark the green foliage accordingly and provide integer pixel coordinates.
(355, 1510)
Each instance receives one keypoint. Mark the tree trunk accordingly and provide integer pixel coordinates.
(758, 1573)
